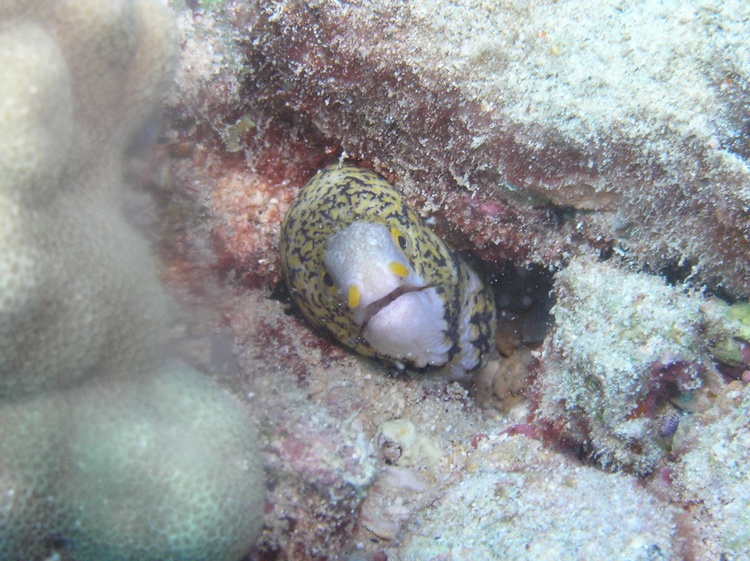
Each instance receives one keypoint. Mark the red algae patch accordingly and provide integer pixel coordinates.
(247, 212)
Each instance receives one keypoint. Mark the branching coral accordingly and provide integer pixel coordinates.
(106, 451)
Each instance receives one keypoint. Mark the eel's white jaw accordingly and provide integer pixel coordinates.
(411, 328)
(400, 316)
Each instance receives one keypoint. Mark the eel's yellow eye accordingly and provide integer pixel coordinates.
(399, 238)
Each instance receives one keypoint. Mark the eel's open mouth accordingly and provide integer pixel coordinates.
(373, 308)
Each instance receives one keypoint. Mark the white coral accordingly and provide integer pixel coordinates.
(93, 423)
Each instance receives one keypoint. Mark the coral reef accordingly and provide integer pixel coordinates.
(107, 451)
(527, 130)
(711, 472)
(624, 347)
(549, 509)
(535, 132)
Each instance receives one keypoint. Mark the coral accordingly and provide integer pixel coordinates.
(60, 155)
(81, 468)
(531, 131)
(94, 423)
(623, 346)
(554, 511)
(175, 436)
(527, 129)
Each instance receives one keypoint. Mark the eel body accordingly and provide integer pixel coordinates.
(362, 265)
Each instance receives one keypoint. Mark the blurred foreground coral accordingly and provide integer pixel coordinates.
(107, 451)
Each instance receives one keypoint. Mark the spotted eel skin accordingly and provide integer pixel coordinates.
(363, 266)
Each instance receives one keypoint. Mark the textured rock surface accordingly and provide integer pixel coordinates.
(530, 128)
(712, 472)
(622, 345)
(627, 358)
(319, 457)
(547, 510)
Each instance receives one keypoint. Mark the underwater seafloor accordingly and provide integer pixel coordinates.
(591, 160)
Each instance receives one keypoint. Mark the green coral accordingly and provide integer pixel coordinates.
(107, 451)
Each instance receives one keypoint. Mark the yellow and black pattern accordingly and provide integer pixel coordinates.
(342, 194)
